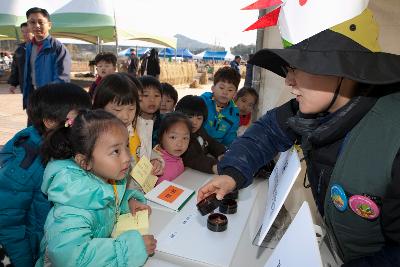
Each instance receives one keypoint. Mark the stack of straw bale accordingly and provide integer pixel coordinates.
(177, 72)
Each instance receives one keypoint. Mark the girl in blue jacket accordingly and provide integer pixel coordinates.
(86, 182)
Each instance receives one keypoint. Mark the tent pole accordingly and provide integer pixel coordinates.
(116, 35)
(98, 45)
(17, 35)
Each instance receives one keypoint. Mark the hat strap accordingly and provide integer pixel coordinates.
(334, 96)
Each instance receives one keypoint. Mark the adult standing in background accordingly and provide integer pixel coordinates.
(47, 60)
(143, 63)
(133, 63)
(153, 64)
(17, 68)
(235, 63)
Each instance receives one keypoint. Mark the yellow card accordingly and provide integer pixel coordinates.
(126, 222)
(141, 173)
(149, 183)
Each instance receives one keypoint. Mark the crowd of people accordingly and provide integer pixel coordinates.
(65, 179)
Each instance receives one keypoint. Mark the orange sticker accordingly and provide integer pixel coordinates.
(170, 194)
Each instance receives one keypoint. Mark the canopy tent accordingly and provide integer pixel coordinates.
(215, 55)
(139, 52)
(229, 56)
(13, 13)
(199, 56)
(180, 52)
(90, 20)
(93, 20)
(11, 16)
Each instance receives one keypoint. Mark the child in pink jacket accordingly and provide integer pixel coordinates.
(174, 137)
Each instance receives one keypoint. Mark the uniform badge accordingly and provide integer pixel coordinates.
(364, 207)
(338, 197)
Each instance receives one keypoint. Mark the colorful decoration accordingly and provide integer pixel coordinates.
(364, 207)
(338, 197)
(263, 4)
(301, 19)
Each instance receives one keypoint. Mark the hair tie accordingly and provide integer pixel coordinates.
(69, 122)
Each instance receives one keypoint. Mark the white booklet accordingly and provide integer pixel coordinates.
(170, 195)
(280, 183)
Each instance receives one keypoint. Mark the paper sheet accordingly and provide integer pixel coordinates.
(142, 174)
(126, 222)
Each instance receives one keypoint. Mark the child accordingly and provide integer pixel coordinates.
(23, 207)
(86, 182)
(201, 143)
(174, 140)
(168, 99)
(118, 94)
(149, 119)
(106, 63)
(223, 115)
(246, 99)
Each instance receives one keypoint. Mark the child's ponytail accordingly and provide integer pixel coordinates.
(57, 144)
(77, 136)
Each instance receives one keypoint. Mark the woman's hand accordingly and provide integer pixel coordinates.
(157, 167)
(135, 206)
(220, 184)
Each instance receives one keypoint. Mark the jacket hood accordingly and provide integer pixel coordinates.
(64, 182)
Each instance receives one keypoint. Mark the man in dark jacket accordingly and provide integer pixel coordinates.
(17, 68)
(236, 63)
(248, 81)
(133, 64)
(47, 60)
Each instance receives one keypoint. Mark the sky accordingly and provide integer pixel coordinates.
(217, 22)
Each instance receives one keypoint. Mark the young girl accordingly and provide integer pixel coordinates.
(246, 99)
(174, 140)
(201, 144)
(118, 94)
(86, 183)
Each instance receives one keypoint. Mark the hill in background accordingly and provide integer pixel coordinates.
(194, 45)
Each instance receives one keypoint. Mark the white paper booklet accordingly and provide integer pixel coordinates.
(170, 195)
(280, 183)
(298, 246)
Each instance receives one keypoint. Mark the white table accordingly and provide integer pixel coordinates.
(246, 254)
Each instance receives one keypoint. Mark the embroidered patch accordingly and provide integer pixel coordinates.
(364, 207)
(338, 197)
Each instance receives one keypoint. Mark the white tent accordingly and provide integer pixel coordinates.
(89, 20)
(94, 21)
(199, 56)
(229, 56)
(12, 14)
(215, 55)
